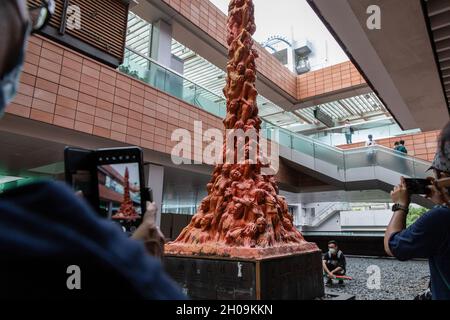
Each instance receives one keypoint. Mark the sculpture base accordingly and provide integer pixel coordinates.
(212, 249)
(295, 276)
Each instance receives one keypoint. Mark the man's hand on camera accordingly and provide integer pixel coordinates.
(149, 233)
(400, 194)
(150, 213)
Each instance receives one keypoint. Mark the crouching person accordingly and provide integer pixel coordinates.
(334, 263)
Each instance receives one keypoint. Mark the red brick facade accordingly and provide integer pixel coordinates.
(212, 21)
(66, 89)
(420, 145)
(326, 80)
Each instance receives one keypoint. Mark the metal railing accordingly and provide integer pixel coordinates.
(156, 75)
(343, 160)
(326, 212)
(151, 72)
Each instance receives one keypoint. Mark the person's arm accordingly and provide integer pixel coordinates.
(342, 262)
(338, 269)
(325, 268)
(401, 196)
(397, 224)
(420, 240)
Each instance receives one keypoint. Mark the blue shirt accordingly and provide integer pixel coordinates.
(45, 228)
(428, 237)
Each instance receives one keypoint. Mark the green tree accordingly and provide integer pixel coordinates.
(414, 214)
(133, 73)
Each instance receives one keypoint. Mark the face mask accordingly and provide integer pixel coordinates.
(332, 251)
(10, 81)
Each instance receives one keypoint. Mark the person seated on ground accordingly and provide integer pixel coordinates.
(334, 263)
(429, 236)
(47, 233)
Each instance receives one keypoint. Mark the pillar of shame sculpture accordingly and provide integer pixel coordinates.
(243, 215)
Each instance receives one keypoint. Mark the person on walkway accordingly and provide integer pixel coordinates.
(396, 145)
(348, 131)
(402, 148)
(370, 142)
(371, 152)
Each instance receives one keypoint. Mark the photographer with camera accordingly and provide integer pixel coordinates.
(46, 230)
(429, 236)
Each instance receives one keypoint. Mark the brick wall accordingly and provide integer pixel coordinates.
(334, 78)
(420, 145)
(212, 21)
(66, 89)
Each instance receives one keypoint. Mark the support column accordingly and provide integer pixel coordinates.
(155, 181)
(161, 49)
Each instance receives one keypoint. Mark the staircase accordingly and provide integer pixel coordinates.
(365, 168)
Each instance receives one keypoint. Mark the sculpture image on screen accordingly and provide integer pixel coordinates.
(243, 214)
(119, 191)
(126, 210)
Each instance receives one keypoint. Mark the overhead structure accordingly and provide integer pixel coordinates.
(405, 63)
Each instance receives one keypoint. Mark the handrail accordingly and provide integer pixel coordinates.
(329, 209)
(300, 136)
(387, 150)
(173, 72)
(269, 125)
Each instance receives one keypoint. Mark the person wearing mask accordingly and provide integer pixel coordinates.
(334, 263)
(47, 232)
(429, 236)
(348, 132)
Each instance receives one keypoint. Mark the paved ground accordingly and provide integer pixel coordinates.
(399, 280)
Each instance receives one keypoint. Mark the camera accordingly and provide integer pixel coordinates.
(112, 182)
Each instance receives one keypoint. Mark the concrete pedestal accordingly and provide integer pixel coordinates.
(296, 276)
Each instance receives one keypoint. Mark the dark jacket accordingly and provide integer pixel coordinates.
(337, 260)
(44, 229)
(428, 237)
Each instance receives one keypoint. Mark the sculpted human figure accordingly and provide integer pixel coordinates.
(231, 117)
(223, 182)
(236, 83)
(265, 239)
(250, 62)
(290, 234)
(243, 209)
(249, 93)
(242, 47)
(241, 13)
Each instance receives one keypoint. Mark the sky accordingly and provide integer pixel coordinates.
(133, 171)
(294, 19)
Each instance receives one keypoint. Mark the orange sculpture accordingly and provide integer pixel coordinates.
(243, 215)
(126, 210)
